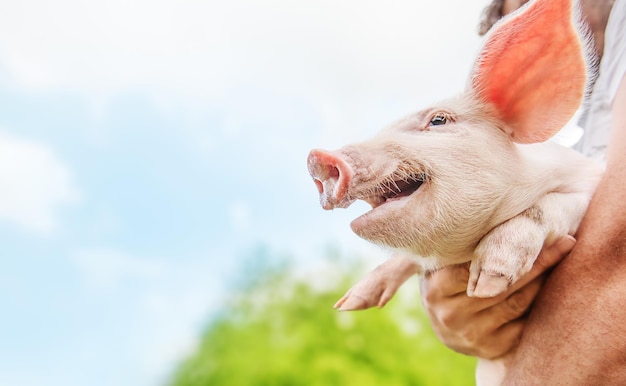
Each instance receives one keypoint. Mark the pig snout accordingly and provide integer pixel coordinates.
(332, 176)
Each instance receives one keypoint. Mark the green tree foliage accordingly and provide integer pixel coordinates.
(283, 331)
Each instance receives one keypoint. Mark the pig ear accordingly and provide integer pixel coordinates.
(532, 70)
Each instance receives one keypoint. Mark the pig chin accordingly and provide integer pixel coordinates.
(372, 225)
(377, 224)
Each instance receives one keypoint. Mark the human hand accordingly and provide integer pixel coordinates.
(485, 327)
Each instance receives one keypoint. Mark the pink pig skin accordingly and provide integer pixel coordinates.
(472, 178)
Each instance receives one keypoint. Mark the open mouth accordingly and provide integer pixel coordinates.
(393, 190)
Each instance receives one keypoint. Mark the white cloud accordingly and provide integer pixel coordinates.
(35, 183)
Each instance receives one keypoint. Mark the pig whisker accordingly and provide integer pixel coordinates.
(401, 183)
(395, 185)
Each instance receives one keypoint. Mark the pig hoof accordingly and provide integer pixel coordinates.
(489, 285)
(352, 303)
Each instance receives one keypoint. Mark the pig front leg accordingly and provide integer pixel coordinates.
(505, 253)
(379, 286)
(509, 250)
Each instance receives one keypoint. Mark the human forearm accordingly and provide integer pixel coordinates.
(575, 334)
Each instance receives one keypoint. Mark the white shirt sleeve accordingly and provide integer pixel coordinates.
(597, 123)
(614, 66)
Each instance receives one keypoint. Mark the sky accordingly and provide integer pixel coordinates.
(147, 148)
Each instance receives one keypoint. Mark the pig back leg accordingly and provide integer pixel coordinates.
(379, 286)
(509, 250)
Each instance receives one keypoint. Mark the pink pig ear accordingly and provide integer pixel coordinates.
(532, 69)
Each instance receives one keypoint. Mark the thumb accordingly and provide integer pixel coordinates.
(552, 254)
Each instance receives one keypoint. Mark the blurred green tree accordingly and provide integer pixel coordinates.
(279, 330)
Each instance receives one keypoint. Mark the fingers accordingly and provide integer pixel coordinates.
(554, 253)
(446, 282)
(445, 288)
(486, 327)
(481, 339)
(514, 306)
(504, 340)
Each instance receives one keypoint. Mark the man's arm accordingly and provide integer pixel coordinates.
(576, 333)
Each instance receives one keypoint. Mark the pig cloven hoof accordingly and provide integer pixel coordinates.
(489, 286)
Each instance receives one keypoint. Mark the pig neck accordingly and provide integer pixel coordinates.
(531, 172)
(559, 168)
(545, 168)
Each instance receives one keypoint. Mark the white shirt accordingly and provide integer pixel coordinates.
(597, 122)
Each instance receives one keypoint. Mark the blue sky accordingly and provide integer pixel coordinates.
(147, 147)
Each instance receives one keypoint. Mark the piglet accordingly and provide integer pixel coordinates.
(472, 178)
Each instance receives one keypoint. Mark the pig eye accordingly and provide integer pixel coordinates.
(439, 119)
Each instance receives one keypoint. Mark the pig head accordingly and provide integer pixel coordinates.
(437, 181)
(441, 180)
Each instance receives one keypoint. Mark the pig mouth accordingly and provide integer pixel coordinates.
(393, 190)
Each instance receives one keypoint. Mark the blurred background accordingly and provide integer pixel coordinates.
(157, 221)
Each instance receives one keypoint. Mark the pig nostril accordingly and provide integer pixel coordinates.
(320, 186)
(333, 172)
(331, 175)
